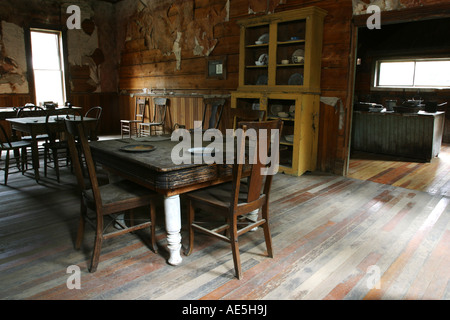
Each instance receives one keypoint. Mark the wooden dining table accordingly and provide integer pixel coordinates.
(34, 126)
(156, 171)
(6, 113)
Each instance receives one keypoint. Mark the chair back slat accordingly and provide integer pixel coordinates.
(258, 181)
(4, 139)
(215, 113)
(76, 133)
(160, 110)
(139, 109)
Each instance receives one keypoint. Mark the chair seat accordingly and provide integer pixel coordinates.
(121, 191)
(220, 195)
(130, 121)
(16, 145)
(56, 144)
(38, 137)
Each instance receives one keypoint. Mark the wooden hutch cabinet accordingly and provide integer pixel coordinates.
(279, 72)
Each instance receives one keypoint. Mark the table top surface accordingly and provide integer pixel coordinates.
(42, 119)
(158, 159)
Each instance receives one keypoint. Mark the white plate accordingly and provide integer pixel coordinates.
(289, 138)
(201, 150)
(264, 38)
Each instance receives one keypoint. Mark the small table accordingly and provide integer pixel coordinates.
(6, 113)
(156, 171)
(37, 125)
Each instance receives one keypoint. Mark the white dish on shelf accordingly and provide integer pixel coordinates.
(274, 109)
(283, 114)
(289, 138)
(262, 60)
(298, 56)
(264, 38)
(296, 79)
(259, 42)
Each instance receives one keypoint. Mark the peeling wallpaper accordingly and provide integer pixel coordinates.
(85, 49)
(13, 63)
(172, 28)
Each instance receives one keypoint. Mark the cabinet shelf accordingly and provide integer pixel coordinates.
(290, 42)
(290, 65)
(256, 67)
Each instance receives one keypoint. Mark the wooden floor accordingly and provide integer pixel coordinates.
(432, 177)
(334, 238)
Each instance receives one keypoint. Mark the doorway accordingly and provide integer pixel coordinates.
(418, 39)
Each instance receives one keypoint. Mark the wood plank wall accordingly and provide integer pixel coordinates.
(144, 68)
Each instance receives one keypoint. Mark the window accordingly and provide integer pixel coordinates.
(419, 73)
(48, 66)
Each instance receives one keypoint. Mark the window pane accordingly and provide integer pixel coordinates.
(45, 47)
(48, 86)
(396, 74)
(432, 73)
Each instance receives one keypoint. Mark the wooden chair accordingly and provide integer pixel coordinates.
(40, 138)
(20, 152)
(94, 112)
(130, 127)
(238, 198)
(56, 147)
(106, 201)
(215, 107)
(238, 114)
(158, 120)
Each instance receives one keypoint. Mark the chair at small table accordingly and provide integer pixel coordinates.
(40, 138)
(130, 127)
(56, 148)
(94, 112)
(158, 120)
(106, 201)
(242, 196)
(20, 152)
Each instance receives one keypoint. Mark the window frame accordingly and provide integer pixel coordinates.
(63, 54)
(376, 74)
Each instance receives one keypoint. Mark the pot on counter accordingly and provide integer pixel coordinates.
(431, 106)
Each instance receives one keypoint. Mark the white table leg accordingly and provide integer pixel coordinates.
(172, 213)
(253, 216)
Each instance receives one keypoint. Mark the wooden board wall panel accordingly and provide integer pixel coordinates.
(14, 100)
(109, 103)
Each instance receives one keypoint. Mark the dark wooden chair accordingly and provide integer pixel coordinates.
(158, 119)
(94, 112)
(20, 152)
(245, 194)
(214, 108)
(130, 127)
(56, 148)
(237, 115)
(106, 201)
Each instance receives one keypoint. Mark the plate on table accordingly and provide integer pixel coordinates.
(138, 148)
(201, 150)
